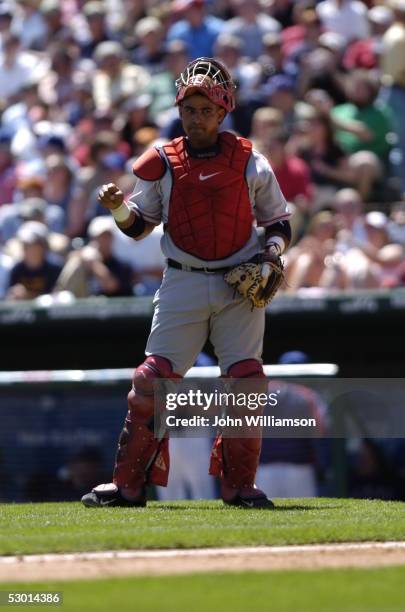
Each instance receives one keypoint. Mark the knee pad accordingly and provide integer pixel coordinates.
(153, 367)
(248, 368)
(140, 398)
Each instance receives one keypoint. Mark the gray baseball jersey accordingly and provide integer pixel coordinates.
(152, 198)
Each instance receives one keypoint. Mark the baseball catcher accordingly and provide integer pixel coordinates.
(212, 191)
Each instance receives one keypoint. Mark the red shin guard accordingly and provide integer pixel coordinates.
(235, 460)
(141, 458)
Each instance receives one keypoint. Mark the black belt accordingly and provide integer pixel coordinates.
(172, 263)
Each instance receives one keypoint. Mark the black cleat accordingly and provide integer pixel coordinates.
(259, 502)
(109, 495)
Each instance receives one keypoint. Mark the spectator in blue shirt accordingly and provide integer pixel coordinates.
(250, 25)
(198, 30)
(35, 274)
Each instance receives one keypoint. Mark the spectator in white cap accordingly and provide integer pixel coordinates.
(149, 52)
(368, 232)
(376, 226)
(116, 79)
(355, 262)
(94, 269)
(35, 275)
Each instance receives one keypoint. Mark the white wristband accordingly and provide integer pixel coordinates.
(277, 241)
(122, 213)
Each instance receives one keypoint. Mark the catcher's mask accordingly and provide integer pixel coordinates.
(210, 78)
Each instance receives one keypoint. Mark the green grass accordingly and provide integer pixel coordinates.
(66, 527)
(373, 590)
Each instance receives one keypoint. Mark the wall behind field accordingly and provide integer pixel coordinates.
(362, 332)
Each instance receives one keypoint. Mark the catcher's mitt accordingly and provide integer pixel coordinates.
(258, 282)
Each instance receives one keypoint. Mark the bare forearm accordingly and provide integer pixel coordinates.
(358, 128)
(107, 280)
(338, 174)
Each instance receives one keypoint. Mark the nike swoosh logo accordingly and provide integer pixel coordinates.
(248, 504)
(207, 176)
(106, 502)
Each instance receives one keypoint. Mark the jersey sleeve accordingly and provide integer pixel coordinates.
(269, 204)
(146, 199)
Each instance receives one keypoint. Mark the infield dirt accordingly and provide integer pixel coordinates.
(75, 566)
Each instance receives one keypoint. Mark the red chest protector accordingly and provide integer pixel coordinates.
(210, 215)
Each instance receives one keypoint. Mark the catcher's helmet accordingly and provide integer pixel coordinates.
(209, 77)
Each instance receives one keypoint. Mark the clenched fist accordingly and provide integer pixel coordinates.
(110, 196)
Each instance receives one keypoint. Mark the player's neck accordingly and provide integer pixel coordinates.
(208, 150)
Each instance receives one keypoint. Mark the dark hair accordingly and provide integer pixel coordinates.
(10, 40)
(368, 77)
(326, 121)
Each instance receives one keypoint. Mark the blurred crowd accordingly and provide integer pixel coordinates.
(87, 86)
